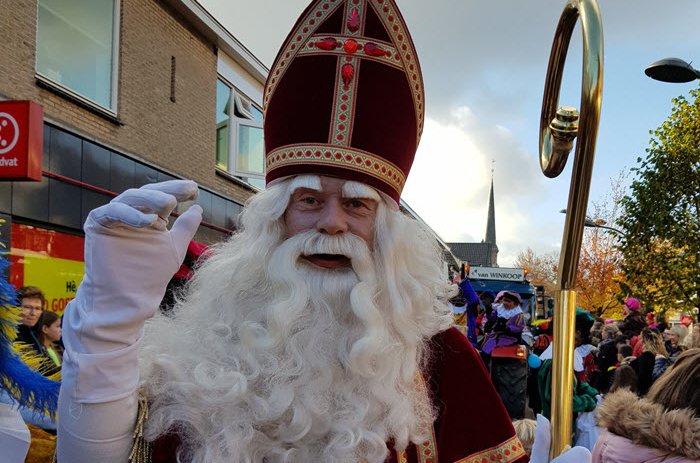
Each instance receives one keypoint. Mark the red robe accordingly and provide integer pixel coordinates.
(472, 424)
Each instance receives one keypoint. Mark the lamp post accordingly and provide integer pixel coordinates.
(673, 70)
(598, 223)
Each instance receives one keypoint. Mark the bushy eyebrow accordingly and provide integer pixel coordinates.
(309, 182)
(359, 190)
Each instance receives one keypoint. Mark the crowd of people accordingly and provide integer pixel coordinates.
(636, 394)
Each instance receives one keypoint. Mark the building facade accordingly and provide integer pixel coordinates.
(133, 92)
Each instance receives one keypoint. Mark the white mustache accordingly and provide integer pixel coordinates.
(312, 242)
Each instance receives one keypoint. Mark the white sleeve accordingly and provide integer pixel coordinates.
(129, 258)
(98, 402)
(95, 432)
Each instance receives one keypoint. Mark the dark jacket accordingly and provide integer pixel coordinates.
(633, 325)
(606, 360)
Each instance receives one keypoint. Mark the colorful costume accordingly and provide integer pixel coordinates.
(507, 325)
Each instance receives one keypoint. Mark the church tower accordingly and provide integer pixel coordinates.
(491, 229)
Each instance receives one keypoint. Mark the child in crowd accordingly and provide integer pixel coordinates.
(49, 332)
(624, 355)
(525, 430)
(625, 377)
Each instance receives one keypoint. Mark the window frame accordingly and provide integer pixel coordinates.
(114, 84)
(234, 122)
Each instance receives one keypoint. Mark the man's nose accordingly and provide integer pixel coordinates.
(333, 219)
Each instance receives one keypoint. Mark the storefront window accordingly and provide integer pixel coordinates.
(76, 48)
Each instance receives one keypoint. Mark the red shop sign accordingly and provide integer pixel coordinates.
(21, 140)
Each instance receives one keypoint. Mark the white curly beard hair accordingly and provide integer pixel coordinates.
(269, 359)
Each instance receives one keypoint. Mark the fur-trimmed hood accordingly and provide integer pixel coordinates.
(649, 424)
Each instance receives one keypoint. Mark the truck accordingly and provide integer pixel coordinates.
(508, 367)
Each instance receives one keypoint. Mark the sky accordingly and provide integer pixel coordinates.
(484, 66)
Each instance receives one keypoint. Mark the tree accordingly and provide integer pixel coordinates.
(599, 272)
(541, 269)
(661, 215)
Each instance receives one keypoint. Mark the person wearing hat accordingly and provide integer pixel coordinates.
(507, 322)
(584, 395)
(634, 321)
(320, 331)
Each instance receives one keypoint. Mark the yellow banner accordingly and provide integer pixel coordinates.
(58, 278)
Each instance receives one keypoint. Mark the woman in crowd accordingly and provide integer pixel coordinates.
(49, 332)
(607, 357)
(676, 337)
(634, 321)
(662, 427)
(651, 363)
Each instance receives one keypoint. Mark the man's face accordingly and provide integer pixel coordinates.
(31, 310)
(507, 303)
(333, 210)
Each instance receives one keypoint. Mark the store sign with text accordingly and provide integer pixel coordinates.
(497, 273)
(21, 140)
(48, 259)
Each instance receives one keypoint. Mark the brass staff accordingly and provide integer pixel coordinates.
(558, 129)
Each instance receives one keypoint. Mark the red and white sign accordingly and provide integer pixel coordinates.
(21, 140)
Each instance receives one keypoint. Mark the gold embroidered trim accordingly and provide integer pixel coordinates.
(141, 449)
(391, 58)
(294, 44)
(345, 95)
(402, 456)
(506, 452)
(344, 157)
(398, 32)
(426, 450)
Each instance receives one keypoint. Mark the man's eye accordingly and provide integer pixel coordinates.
(310, 200)
(356, 203)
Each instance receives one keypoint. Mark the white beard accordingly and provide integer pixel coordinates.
(273, 359)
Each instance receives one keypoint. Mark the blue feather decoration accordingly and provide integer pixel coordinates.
(28, 387)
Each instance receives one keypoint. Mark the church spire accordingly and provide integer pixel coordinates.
(491, 220)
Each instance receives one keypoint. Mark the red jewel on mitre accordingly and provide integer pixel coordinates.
(345, 96)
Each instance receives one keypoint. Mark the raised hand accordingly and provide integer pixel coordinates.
(130, 255)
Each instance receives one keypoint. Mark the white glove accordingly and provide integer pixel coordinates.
(130, 257)
(543, 441)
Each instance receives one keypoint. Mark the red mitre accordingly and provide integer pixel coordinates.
(345, 96)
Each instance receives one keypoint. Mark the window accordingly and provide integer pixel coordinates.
(76, 48)
(240, 148)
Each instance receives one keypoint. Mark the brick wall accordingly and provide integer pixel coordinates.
(178, 136)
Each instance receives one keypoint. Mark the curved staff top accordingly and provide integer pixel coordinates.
(558, 129)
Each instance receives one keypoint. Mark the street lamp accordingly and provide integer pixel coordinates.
(598, 223)
(673, 70)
